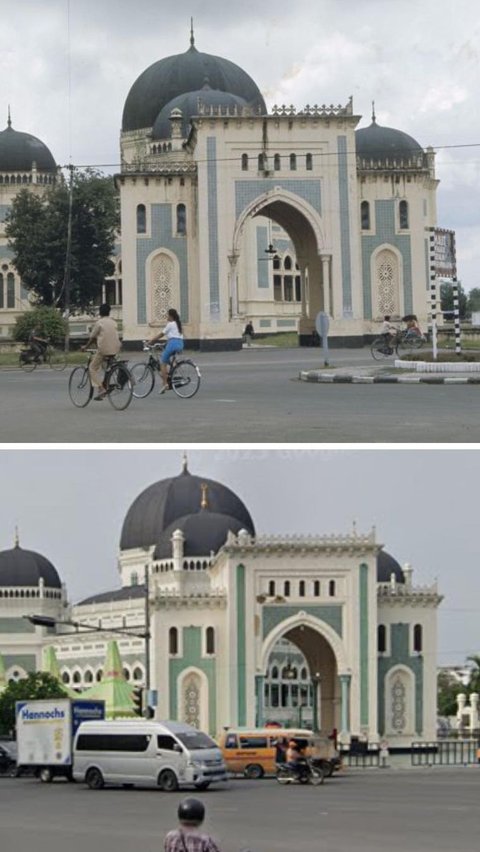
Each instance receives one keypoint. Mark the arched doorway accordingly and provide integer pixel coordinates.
(252, 281)
(326, 689)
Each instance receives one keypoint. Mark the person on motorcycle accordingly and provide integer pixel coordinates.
(295, 757)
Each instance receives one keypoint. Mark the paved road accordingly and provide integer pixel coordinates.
(422, 810)
(251, 396)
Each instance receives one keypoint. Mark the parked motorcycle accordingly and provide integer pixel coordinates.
(305, 772)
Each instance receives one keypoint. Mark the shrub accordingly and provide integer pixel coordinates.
(48, 322)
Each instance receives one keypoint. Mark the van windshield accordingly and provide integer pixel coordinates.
(195, 740)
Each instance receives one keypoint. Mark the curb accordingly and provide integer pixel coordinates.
(346, 379)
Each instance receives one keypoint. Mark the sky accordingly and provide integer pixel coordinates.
(69, 505)
(67, 66)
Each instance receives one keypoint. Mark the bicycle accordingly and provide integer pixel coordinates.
(118, 382)
(183, 375)
(56, 359)
(404, 343)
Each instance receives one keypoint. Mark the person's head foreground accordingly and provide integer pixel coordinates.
(104, 310)
(191, 812)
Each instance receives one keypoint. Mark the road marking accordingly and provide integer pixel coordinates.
(225, 400)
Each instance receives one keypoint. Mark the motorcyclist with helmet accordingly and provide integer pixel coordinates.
(188, 838)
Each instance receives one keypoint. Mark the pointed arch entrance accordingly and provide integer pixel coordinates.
(328, 676)
(303, 224)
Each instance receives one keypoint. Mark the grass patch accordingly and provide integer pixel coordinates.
(450, 357)
(284, 340)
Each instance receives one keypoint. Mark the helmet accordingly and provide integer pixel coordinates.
(191, 810)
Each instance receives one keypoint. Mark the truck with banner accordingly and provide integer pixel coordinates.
(45, 731)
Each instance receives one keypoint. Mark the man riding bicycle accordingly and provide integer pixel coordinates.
(388, 332)
(104, 335)
(38, 344)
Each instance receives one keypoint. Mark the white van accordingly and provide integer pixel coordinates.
(148, 754)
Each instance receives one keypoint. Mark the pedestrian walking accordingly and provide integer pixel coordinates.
(188, 837)
(248, 333)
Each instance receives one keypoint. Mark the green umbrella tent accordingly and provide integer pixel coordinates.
(113, 688)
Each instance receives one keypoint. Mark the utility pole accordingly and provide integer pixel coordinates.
(147, 642)
(68, 261)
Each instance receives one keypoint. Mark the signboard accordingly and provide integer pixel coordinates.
(322, 324)
(445, 253)
(43, 732)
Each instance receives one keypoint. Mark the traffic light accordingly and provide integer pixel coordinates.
(137, 698)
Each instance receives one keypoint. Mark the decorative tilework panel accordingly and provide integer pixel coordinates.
(273, 615)
(263, 259)
(213, 227)
(161, 237)
(246, 191)
(385, 220)
(344, 226)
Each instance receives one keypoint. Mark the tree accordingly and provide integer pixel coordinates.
(47, 321)
(448, 688)
(37, 230)
(446, 297)
(474, 682)
(473, 303)
(35, 685)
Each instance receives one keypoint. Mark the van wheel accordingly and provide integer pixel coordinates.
(45, 775)
(202, 785)
(94, 779)
(253, 770)
(167, 781)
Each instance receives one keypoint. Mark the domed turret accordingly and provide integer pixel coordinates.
(175, 75)
(385, 144)
(157, 508)
(20, 151)
(203, 534)
(190, 104)
(19, 567)
(386, 566)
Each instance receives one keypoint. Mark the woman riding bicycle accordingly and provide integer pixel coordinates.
(174, 335)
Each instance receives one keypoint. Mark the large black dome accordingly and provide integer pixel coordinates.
(19, 567)
(385, 143)
(205, 533)
(386, 566)
(18, 152)
(164, 502)
(185, 72)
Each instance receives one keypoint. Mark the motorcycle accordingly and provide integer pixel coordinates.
(305, 772)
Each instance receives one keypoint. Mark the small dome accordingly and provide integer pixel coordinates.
(189, 104)
(170, 499)
(185, 72)
(19, 567)
(386, 566)
(385, 143)
(18, 152)
(204, 533)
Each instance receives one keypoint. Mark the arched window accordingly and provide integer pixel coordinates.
(126, 674)
(134, 578)
(304, 673)
(418, 638)
(181, 220)
(76, 677)
(137, 673)
(271, 587)
(365, 215)
(301, 588)
(210, 640)
(261, 162)
(331, 588)
(10, 290)
(99, 675)
(293, 162)
(173, 640)
(274, 673)
(403, 210)
(276, 262)
(316, 588)
(287, 262)
(141, 219)
(381, 639)
(309, 162)
(244, 162)
(286, 588)
(2, 303)
(89, 676)
(276, 162)
(65, 677)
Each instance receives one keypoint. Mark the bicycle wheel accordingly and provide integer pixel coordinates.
(57, 360)
(80, 387)
(26, 362)
(143, 380)
(119, 386)
(185, 379)
(407, 344)
(380, 349)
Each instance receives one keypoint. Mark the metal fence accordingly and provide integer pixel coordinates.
(445, 753)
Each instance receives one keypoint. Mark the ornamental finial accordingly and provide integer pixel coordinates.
(17, 538)
(204, 489)
(185, 463)
(9, 121)
(192, 37)
(374, 117)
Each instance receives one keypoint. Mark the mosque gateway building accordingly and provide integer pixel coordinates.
(231, 211)
(323, 630)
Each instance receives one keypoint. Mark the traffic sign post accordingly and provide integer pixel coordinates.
(322, 324)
